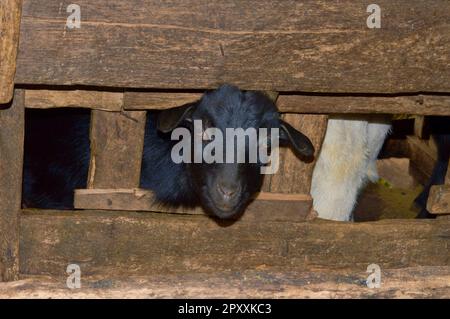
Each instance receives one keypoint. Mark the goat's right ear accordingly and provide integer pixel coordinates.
(169, 119)
(300, 142)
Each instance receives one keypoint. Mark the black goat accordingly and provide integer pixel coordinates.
(57, 154)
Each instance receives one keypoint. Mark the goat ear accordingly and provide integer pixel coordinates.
(300, 142)
(169, 119)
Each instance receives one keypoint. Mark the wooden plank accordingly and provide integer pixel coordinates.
(101, 100)
(421, 127)
(314, 104)
(439, 199)
(294, 175)
(306, 46)
(423, 156)
(288, 207)
(407, 104)
(141, 100)
(117, 142)
(157, 100)
(11, 161)
(107, 242)
(10, 11)
(311, 283)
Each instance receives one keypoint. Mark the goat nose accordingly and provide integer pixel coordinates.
(227, 190)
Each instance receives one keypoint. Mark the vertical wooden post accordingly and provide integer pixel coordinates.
(117, 141)
(11, 163)
(294, 176)
(420, 126)
(10, 11)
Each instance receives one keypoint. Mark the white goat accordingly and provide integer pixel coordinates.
(347, 161)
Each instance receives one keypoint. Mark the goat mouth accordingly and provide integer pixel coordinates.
(225, 211)
(225, 208)
(221, 210)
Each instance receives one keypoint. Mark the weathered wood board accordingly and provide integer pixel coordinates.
(117, 142)
(11, 160)
(411, 282)
(10, 11)
(294, 175)
(308, 46)
(295, 207)
(149, 243)
(439, 199)
(423, 156)
(313, 104)
(157, 100)
(406, 104)
(294, 103)
(100, 100)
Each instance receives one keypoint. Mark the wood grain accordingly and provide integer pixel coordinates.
(11, 161)
(268, 283)
(117, 142)
(157, 100)
(420, 126)
(10, 11)
(107, 242)
(423, 156)
(288, 207)
(407, 104)
(313, 104)
(101, 100)
(307, 46)
(294, 175)
(439, 199)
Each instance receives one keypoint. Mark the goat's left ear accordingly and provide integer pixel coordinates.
(169, 119)
(300, 142)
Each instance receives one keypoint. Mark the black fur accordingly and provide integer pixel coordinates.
(56, 156)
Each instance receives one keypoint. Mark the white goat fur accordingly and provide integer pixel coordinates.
(347, 161)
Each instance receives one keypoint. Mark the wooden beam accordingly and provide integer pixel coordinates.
(11, 165)
(157, 100)
(313, 104)
(439, 199)
(101, 100)
(10, 11)
(117, 142)
(294, 174)
(302, 46)
(288, 207)
(407, 104)
(310, 283)
(131, 243)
